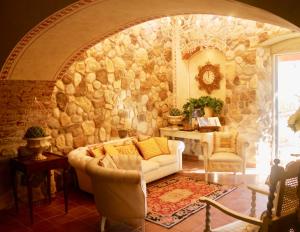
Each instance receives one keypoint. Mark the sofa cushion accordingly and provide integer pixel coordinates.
(129, 149)
(162, 142)
(110, 149)
(96, 151)
(225, 141)
(148, 148)
(164, 160)
(225, 157)
(148, 166)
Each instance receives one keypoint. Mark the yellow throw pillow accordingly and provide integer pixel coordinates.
(96, 151)
(148, 148)
(110, 149)
(162, 142)
(225, 141)
(129, 149)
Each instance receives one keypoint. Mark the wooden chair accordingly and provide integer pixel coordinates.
(225, 152)
(261, 189)
(282, 212)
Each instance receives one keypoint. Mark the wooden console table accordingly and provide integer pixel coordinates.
(30, 167)
(178, 133)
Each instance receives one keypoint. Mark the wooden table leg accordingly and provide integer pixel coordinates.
(49, 185)
(65, 186)
(29, 193)
(14, 185)
(253, 204)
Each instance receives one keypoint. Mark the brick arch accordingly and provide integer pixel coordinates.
(46, 51)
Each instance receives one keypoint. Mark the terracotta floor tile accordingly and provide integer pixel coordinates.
(90, 219)
(60, 220)
(43, 226)
(11, 225)
(49, 212)
(83, 215)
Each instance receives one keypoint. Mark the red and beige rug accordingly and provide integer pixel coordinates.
(173, 200)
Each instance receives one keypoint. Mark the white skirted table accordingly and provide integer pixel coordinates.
(194, 135)
(174, 133)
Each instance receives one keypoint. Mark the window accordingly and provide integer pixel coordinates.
(287, 93)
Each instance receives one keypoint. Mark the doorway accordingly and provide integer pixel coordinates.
(287, 102)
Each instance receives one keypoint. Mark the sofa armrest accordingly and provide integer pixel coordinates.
(78, 158)
(112, 175)
(176, 147)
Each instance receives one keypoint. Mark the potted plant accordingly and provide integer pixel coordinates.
(37, 141)
(199, 104)
(175, 117)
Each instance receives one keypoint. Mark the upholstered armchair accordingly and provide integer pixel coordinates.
(282, 210)
(225, 152)
(120, 194)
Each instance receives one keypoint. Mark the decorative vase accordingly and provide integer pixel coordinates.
(37, 146)
(208, 112)
(187, 126)
(122, 133)
(175, 120)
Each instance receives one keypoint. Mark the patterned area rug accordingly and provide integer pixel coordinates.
(173, 200)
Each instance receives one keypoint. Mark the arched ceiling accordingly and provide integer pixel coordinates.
(50, 46)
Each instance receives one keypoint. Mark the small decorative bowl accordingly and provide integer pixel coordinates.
(122, 133)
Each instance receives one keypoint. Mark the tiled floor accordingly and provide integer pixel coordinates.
(83, 216)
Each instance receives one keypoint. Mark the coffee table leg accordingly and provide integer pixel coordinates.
(29, 193)
(65, 186)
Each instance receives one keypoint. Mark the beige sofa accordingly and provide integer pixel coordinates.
(152, 169)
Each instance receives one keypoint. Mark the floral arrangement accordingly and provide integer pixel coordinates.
(294, 121)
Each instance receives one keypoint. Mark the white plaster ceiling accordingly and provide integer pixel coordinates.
(48, 51)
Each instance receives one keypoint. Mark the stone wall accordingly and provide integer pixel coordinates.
(248, 91)
(18, 110)
(124, 81)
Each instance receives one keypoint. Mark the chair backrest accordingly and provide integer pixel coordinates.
(288, 196)
(284, 188)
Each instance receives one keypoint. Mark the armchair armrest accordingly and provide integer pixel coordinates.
(263, 189)
(232, 213)
(112, 175)
(242, 145)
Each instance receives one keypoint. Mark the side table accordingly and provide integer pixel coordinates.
(30, 167)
